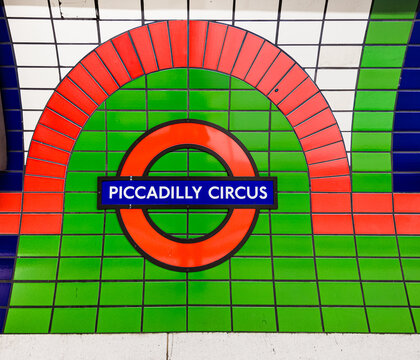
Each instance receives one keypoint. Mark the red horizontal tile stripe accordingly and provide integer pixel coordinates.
(9, 223)
(45, 202)
(41, 223)
(331, 202)
(40, 183)
(374, 224)
(10, 202)
(370, 203)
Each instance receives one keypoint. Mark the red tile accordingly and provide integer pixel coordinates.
(40, 167)
(99, 72)
(275, 73)
(332, 224)
(407, 224)
(197, 42)
(46, 202)
(128, 55)
(233, 43)
(372, 224)
(369, 203)
(10, 202)
(45, 152)
(39, 183)
(331, 202)
(329, 168)
(143, 45)
(316, 123)
(9, 223)
(41, 223)
(301, 94)
(51, 137)
(311, 107)
(331, 184)
(325, 153)
(179, 42)
(58, 123)
(261, 64)
(86, 82)
(324, 137)
(112, 61)
(407, 203)
(67, 109)
(160, 40)
(215, 38)
(249, 51)
(71, 92)
(287, 84)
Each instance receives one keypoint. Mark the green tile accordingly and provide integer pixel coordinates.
(292, 245)
(160, 117)
(252, 293)
(167, 100)
(334, 245)
(344, 320)
(219, 272)
(35, 269)
(77, 294)
(251, 269)
(371, 141)
(165, 293)
(379, 79)
(79, 269)
(411, 269)
(413, 291)
(122, 268)
(294, 269)
(90, 161)
(279, 121)
(204, 79)
(385, 294)
(409, 245)
(204, 223)
(118, 245)
(173, 161)
(83, 223)
(375, 100)
(380, 269)
(139, 83)
(207, 318)
(121, 141)
(253, 141)
(416, 317)
(127, 100)
(90, 140)
(284, 141)
(119, 320)
(388, 32)
(168, 79)
(373, 121)
(164, 319)
(208, 293)
(292, 181)
(121, 293)
(201, 161)
(376, 245)
(372, 182)
(337, 269)
(82, 181)
(390, 320)
(291, 223)
(114, 160)
(340, 293)
(252, 120)
(38, 245)
(32, 294)
(263, 224)
(216, 117)
(389, 9)
(28, 321)
(370, 162)
(240, 84)
(126, 120)
(81, 202)
(81, 245)
(248, 100)
(170, 223)
(112, 225)
(287, 161)
(296, 293)
(96, 121)
(261, 160)
(295, 319)
(254, 319)
(154, 272)
(73, 320)
(209, 100)
(256, 245)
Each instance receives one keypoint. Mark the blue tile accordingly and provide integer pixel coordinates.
(407, 121)
(13, 119)
(14, 140)
(6, 269)
(408, 100)
(406, 161)
(10, 99)
(8, 78)
(412, 57)
(2, 319)
(4, 293)
(11, 181)
(406, 182)
(415, 34)
(406, 142)
(4, 32)
(410, 79)
(6, 55)
(8, 245)
(15, 160)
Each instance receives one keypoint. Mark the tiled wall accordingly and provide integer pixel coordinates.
(336, 256)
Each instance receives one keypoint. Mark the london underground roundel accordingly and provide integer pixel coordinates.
(132, 192)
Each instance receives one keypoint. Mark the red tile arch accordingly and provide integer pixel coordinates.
(201, 44)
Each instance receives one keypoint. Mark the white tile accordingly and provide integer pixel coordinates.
(38, 77)
(305, 56)
(28, 30)
(211, 9)
(74, 9)
(27, 137)
(165, 9)
(302, 9)
(35, 99)
(25, 157)
(344, 120)
(76, 31)
(345, 9)
(25, 8)
(35, 55)
(70, 55)
(336, 79)
(127, 9)
(109, 29)
(311, 73)
(344, 32)
(340, 100)
(299, 32)
(349, 157)
(256, 9)
(340, 56)
(64, 71)
(227, 22)
(347, 139)
(30, 119)
(266, 29)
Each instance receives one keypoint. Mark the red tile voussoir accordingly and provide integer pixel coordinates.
(112, 61)
(99, 72)
(231, 47)
(128, 55)
(214, 43)
(262, 62)
(250, 48)
(144, 48)
(178, 31)
(161, 44)
(197, 43)
(275, 73)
